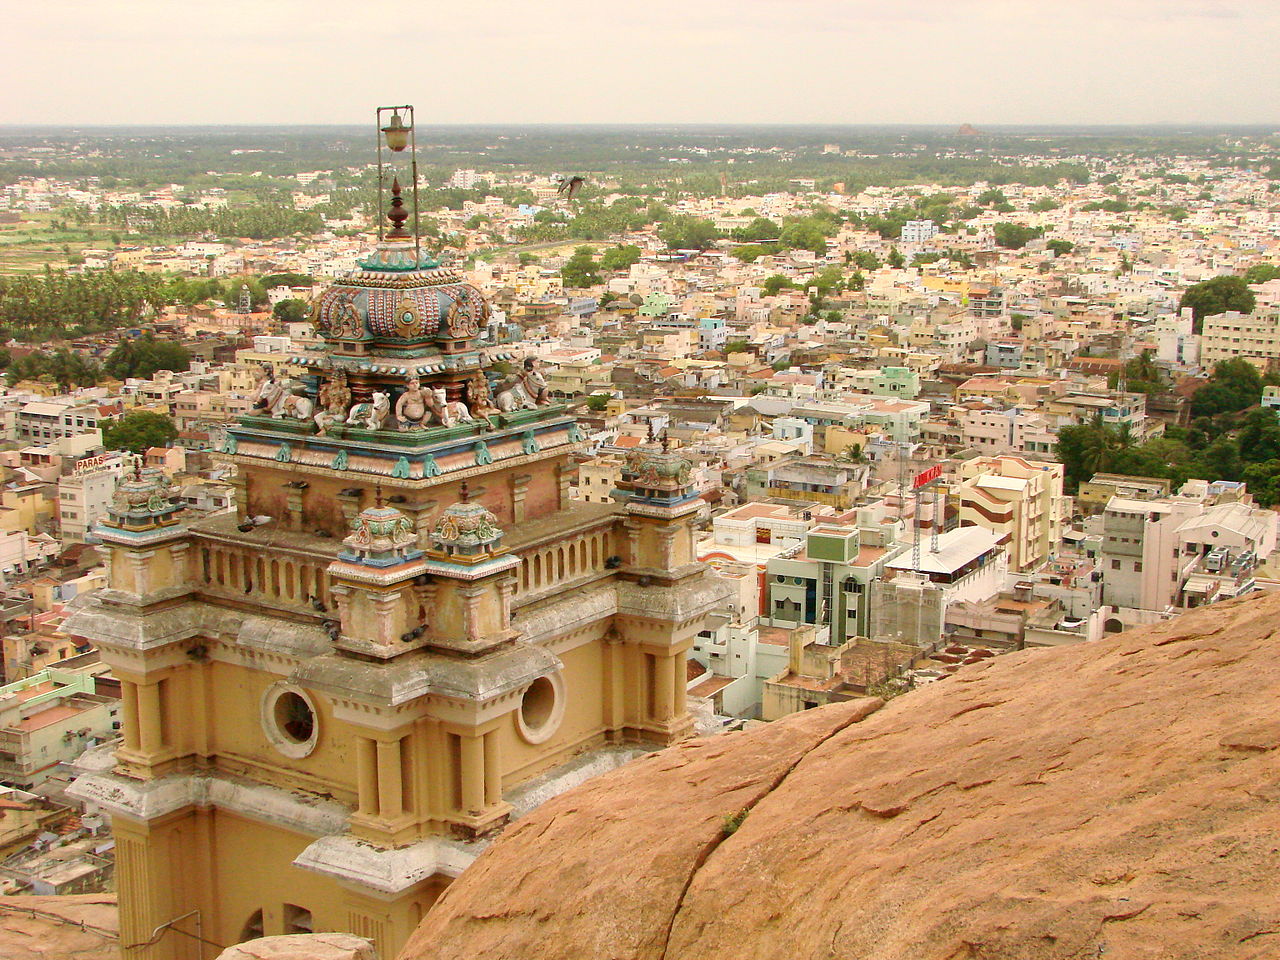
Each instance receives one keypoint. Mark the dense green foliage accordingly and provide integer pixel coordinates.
(142, 358)
(261, 221)
(1014, 236)
(688, 233)
(62, 367)
(54, 305)
(1218, 295)
(1230, 438)
(291, 310)
(1262, 273)
(1235, 385)
(620, 257)
(138, 430)
(580, 269)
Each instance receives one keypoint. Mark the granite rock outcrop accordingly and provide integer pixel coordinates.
(1117, 799)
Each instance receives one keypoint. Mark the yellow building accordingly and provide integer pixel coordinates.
(1251, 336)
(333, 696)
(1019, 500)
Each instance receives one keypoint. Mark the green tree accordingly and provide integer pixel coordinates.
(688, 233)
(865, 260)
(138, 430)
(776, 283)
(620, 257)
(1015, 236)
(1234, 385)
(1218, 295)
(895, 259)
(597, 402)
(758, 229)
(291, 310)
(1060, 247)
(736, 346)
(804, 234)
(580, 269)
(1261, 273)
(143, 357)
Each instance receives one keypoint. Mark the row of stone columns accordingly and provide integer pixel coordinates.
(380, 766)
(143, 717)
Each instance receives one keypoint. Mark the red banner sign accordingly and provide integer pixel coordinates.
(926, 476)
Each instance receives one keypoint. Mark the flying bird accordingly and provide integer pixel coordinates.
(569, 186)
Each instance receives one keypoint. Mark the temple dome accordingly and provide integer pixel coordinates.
(467, 531)
(380, 536)
(393, 298)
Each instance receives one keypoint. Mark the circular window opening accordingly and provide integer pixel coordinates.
(541, 709)
(289, 720)
(295, 718)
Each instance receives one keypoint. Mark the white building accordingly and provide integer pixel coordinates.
(918, 231)
(84, 494)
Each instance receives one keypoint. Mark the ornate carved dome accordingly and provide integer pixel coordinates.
(467, 530)
(380, 536)
(392, 299)
(142, 499)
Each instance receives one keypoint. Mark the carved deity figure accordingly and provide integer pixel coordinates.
(528, 391)
(335, 398)
(479, 398)
(413, 408)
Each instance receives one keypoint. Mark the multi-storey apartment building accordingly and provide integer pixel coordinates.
(1019, 500)
(1251, 336)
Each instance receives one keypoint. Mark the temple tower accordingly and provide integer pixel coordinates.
(405, 635)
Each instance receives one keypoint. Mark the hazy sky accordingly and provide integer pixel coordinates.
(511, 61)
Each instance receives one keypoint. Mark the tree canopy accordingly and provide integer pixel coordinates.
(138, 430)
(1014, 236)
(580, 269)
(1234, 385)
(142, 358)
(1217, 295)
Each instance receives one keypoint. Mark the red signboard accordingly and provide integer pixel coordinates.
(926, 476)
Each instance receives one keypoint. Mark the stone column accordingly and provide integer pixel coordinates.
(614, 692)
(664, 695)
(295, 508)
(132, 734)
(390, 789)
(367, 775)
(492, 769)
(519, 491)
(150, 730)
(679, 685)
(472, 773)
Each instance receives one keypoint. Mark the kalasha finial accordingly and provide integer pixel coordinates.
(464, 493)
(666, 442)
(137, 466)
(397, 214)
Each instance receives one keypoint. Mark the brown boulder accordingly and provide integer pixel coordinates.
(1118, 799)
(83, 927)
(303, 946)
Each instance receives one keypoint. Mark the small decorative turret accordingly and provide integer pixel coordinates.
(653, 474)
(373, 580)
(145, 540)
(380, 537)
(466, 532)
(143, 501)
